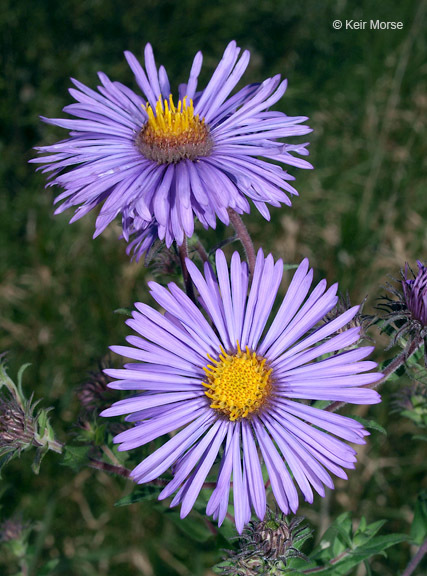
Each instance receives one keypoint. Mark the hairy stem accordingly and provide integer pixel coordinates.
(125, 473)
(211, 527)
(24, 568)
(422, 551)
(202, 252)
(244, 238)
(387, 372)
(105, 467)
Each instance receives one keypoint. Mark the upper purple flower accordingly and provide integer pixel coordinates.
(158, 162)
(229, 384)
(415, 294)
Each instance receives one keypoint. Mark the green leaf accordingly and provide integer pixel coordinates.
(48, 568)
(146, 492)
(40, 454)
(419, 523)
(344, 527)
(353, 558)
(75, 456)
(333, 558)
(321, 404)
(19, 376)
(370, 424)
(194, 525)
(290, 267)
(123, 311)
(365, 532)
(376, 546)
(422, 437)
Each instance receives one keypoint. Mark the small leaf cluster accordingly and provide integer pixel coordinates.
(345, 546)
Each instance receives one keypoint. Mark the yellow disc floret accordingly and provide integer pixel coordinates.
(238, 384)
(173, 133)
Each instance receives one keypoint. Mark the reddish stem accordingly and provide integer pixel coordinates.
(422, 551)
(244, 238)
(118, 470)
(125, 473)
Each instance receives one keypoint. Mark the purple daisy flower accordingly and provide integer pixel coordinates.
(158, 163)
(229, 384)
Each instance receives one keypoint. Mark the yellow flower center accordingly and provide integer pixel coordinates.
(239, 384)
(172, 134)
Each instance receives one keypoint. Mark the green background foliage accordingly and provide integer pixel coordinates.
(360, 215)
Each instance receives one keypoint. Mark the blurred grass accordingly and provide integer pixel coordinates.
(360, 215)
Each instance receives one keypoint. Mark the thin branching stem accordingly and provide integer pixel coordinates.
(125, 473)
(202, 252)
(212, 529)
(105, 467)
(422, 551)
(24, 567)
(244, 238)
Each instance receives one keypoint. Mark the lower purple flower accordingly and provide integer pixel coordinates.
(228, 383)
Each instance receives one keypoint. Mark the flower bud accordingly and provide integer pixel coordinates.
(415, 294)
(93, 393)
(406, 310)
(267, 546)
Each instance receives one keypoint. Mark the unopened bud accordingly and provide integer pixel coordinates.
(406, 310)
(266, 547)
(94, 393)
(415, 294)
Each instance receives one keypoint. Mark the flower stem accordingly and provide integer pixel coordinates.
(244, 238)
(183, 254)
(202, 252)
(422, 551)
(118, 470)
(388, 370)
(125, 473)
